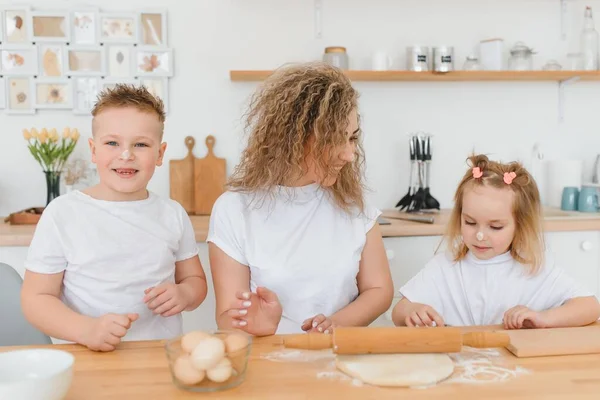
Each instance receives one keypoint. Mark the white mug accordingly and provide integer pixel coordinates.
(381, 61)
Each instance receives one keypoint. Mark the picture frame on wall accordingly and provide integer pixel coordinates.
(20, 95)
(2, 92)
(85, 26)
(119, 60)
(16, 25)
(153, 61)
(159, 87)
(53, 93)
(152, 26)
(50, 26)
(52, 59)
(85, 94)
(18, 60)
(118, 28)
(86, 60)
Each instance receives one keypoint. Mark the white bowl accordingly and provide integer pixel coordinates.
(40, 374)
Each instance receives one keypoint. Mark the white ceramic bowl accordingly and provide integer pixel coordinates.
(41, 374)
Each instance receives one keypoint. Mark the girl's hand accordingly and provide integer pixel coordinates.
(423, 315)
(522, 317)
(319, 323)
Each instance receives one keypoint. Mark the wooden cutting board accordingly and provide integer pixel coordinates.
(209, 179)
(181, 178)
(555, 341)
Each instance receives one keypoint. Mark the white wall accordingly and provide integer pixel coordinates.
(210, 37)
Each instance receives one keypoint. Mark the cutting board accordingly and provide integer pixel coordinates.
(555, 341)
(181, 178)
(209, 179)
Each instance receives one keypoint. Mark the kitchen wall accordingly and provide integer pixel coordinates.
(210, 37)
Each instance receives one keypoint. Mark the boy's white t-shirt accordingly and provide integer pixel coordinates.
(111, 252)
(479, 292)
(298, 244)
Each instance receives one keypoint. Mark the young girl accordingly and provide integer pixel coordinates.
(495, 271)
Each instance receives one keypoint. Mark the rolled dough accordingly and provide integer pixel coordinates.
(396, 369)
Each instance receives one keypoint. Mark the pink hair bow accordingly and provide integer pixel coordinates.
(477, 173)
(509, 176)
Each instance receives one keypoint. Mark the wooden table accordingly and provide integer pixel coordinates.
(139, 370)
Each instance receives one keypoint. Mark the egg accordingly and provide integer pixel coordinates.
(235, 342)
(185, 372)
(189, 341)
(220, 372)
(208, 352)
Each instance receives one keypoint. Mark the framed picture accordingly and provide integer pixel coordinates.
(110, 83)
(159, 87)
(20, 97)
(120, 60)
(153, 28)
(153, 61)
(51, 59)
(85, 26)
(118, 28)
(53, 93)
(2, 93)
(50, 26)
(85, 94)
(86, 60)
(19, 60)
(16, 25)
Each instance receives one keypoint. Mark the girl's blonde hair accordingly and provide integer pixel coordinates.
(295, 103)
(527, 246)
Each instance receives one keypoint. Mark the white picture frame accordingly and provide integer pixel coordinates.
(119, 62)
(111, 82)
(86, 60)
(50, 26)
(52, 60)
(158, 86)
(20, 95)
(85, 26)
(2, 25)
(2, 92)
(153, 61)
(119, 28)
(16, 25)
(53, 93)
(18, 60)
(85, 93)
(152, 27)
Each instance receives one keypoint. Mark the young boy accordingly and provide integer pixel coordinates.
(115, 262)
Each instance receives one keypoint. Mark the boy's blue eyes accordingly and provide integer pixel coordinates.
(113, 143)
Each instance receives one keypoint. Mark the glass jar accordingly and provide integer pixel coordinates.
(552, 65)
(520, 58)
(472, 64)
(336, 56)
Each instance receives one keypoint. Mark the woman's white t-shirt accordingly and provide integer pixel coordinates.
(479, 292)
(297, 243)
(111, 252)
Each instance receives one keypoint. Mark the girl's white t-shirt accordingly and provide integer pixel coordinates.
(111, 252)
(297, 243)
(479, 292)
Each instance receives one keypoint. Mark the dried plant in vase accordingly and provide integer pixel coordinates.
(74, 172)
(51, 152)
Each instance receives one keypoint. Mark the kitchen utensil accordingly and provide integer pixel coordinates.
(520, 57)
(181, 178)
(491, 54)
(570, 198)
(418, 199)
(336, 56)
(417, 58)
(209, 179)
(381, 61)
(406, 200)
(472, 63)
(443, 59)
(588, 199)
(555, 341)
(430, 201)
(365, 340)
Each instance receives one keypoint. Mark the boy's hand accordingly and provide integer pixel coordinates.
(522, 317)
(166, 299)
(423, 315)
(319, 323)
(104, 333)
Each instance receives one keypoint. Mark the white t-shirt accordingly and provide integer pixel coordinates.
(303, 247)
(111, 252)
(479, 292)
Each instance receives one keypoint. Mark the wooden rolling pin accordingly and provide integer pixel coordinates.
(361, 340)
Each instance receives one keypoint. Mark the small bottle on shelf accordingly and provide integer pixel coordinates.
(589, 42)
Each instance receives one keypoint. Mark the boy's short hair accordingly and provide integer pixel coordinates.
(124, 95)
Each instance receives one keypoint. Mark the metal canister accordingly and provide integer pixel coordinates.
(443, 59)
(417, 58)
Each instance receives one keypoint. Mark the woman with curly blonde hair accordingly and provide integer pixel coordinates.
(293, 247)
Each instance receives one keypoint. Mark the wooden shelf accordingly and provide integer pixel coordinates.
(456, 76)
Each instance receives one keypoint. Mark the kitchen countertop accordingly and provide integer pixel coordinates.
(139, 371)
(554, 221)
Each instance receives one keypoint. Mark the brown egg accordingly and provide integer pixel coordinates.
(189, 341)
(208, 352)
(185, 372)
(221, 372)
(235, 342)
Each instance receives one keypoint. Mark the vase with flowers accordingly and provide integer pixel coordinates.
(51, 151)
